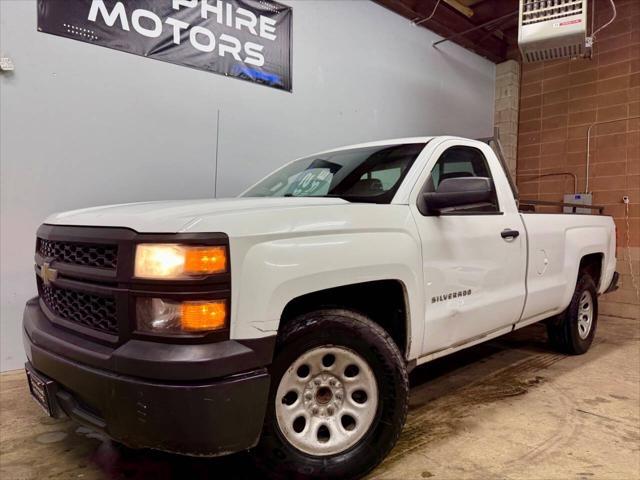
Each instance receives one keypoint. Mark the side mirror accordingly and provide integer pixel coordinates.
(456, 192)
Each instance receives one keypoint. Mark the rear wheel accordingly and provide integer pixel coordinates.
(338, 399)
(573, 330)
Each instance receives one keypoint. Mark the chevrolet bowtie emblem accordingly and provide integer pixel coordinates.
(48, 274)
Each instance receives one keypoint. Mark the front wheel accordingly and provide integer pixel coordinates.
(573, 330)
(338, 399)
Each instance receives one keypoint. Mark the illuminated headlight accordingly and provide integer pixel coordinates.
(159, 315)
(173, 261)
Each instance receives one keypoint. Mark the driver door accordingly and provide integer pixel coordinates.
(473, 277)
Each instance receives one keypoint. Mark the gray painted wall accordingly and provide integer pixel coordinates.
(83, 125)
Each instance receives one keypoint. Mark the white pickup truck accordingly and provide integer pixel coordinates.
(287, 319)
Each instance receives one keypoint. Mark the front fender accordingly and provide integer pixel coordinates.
(277, 271)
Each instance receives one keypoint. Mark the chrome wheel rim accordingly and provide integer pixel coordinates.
(585, 314)
(326, 400)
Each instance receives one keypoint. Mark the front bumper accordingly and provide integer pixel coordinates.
(185, 412)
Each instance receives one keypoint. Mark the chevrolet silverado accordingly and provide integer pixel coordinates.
(286, 320)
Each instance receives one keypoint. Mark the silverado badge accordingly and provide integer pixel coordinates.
(449, 296)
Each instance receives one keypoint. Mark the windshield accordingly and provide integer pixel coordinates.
(368, 174)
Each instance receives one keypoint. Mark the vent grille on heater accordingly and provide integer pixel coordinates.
(535, 11)
(550, 29)
(557, 52)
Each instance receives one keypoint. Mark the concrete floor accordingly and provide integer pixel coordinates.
(508, 409)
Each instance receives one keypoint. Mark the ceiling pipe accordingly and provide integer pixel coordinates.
(613, 17)
(586, 186)
(536, 177)
(426, 19)
(482, 25)
(496, 30)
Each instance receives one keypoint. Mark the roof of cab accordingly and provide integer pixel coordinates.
(393, 141)
(380, 143)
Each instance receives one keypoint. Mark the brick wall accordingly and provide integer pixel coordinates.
(559, 100)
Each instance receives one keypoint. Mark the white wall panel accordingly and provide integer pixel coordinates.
(82, 125)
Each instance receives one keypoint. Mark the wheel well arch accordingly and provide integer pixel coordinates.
(592, 265)
(383, 301)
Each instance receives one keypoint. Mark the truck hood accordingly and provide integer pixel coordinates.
(180, 215)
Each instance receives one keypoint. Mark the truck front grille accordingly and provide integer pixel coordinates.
(87, 284)
(93, 311)
(98, 256)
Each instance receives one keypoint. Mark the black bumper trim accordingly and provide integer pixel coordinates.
(192, 399)
(203, 418)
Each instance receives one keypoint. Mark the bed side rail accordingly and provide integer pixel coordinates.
(530, 206)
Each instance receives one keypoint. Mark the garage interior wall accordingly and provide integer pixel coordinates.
(559, 100)
(84, 125)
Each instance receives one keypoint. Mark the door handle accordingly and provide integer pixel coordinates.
(509, 234)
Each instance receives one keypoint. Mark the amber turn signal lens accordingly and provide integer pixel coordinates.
(203, 260)
(207, 315)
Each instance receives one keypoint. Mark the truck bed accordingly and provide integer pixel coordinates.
(556, 243)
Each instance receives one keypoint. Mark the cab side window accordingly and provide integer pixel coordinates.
(462, 162)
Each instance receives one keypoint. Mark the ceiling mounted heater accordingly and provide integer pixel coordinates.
(550, 29)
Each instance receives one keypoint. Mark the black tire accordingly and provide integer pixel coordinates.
(345, 328)
(563, 330)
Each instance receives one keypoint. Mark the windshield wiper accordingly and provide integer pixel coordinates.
(329, 195)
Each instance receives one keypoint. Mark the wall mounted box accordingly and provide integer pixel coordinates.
(581, 198)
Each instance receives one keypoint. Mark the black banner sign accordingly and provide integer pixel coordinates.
(247, 39)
